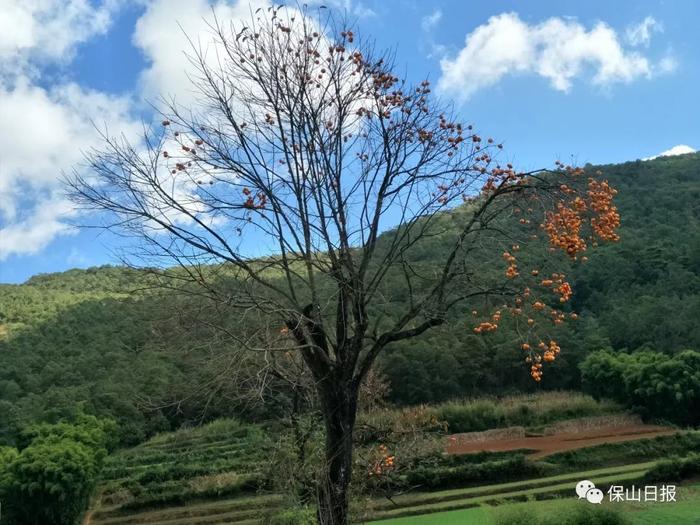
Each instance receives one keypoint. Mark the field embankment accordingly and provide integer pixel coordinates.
(582, 433)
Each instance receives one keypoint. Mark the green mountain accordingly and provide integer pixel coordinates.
(643, 292)
(84, 340)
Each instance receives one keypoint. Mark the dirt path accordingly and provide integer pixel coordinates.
(94, 507)
(546, 445)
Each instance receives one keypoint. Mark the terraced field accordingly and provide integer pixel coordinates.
(242, 511)
(437, 502)
(205, 476)
(247, 510)
(216, 475)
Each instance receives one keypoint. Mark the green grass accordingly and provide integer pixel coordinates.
(454, 517)
(235, 510)
(521, 410)
(686, 511)
(246, 508)
(549, 490)
(477, 515)
(447, 495)
(679, 444)
(486, 413)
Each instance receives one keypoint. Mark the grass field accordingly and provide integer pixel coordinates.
(533, 484)
(496, 494)
(686, 511)
(527, 410)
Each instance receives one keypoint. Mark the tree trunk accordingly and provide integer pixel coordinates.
(340, 408)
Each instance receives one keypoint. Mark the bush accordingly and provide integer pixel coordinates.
(502, 470)
(51, 481)
(96, 434)
(576, 513)
(680, 444)
(515, 515)
(295, 516)
(175, 492)
(7, 456)
(51, 478)
(471, 416)
(584, 514)
(520, 410)
(655, 384)
(674, 469)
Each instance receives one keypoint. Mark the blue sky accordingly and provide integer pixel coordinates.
(595, 81)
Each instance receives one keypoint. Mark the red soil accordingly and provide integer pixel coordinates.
(560, 442)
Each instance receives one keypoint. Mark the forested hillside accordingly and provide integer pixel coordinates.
(99, 341)
(643, 292)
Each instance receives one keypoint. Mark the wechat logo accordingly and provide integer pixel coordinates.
(586, 490)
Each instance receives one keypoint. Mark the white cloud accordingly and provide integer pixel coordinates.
(668, 64)
(162, 34)
(34, 232)
(165, 34)
(429, 22)
(680, 149)
(557, 49)
(49, 29)
(50, 126)
(640, 34)
(350, 7)
(50, 130)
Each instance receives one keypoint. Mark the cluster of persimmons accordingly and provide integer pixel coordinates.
(582, 215)
(381, 463)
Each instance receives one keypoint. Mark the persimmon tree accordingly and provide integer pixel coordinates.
(302, 149)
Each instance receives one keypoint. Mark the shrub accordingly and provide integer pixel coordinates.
(96, 434)
(51, 481)
(176, 493)
(674, 469)
(575, 513)
(515, 515)
(580, 513)
(655, 384)
(51, 478)
(520, 410)
(501, 470)
(476, 415)
(7, 456)
(295, 516)
(680, 444)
